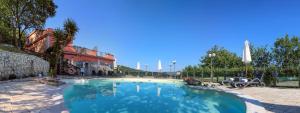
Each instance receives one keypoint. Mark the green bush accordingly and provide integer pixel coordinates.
(249, 73)
(51, 73)
(268, 78)
(12, 76)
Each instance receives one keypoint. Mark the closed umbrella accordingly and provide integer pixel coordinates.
(115, 64)
(159, 67)
(246, 54)
(138, 67)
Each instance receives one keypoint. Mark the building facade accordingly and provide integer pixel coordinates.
(93, 61)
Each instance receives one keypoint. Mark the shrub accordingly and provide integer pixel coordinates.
(12, 76)
(32, 75)
(268, 78)
(250, 71)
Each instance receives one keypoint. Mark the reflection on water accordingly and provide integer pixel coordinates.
(114, 90)
(105, 96)
(137, 88)
(158, 91)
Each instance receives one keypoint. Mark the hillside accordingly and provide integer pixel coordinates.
(125, 68)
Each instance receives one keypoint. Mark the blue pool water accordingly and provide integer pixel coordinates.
(108, 96)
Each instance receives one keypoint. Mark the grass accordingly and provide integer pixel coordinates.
(288, 83)
(5, 47)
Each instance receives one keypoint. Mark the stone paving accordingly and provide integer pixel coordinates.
(30, 97)
(274, 100)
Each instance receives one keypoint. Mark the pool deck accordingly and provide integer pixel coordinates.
(30, 96)
(273, 100)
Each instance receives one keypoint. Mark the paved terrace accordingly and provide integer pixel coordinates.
(274, 100)
(28, 96)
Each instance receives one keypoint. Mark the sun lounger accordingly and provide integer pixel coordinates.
(238, 82)
(227, 81)
(192, 81)
(242, 82)
(255, 82)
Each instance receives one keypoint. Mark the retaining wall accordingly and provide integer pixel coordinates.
(18, 65)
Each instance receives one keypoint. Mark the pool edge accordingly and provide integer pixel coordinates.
(252, 105)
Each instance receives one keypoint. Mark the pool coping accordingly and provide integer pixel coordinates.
(252, 105)
(61, 108)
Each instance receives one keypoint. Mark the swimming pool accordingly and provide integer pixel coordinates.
(121, 96)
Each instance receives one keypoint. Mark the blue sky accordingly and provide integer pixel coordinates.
(148, 30)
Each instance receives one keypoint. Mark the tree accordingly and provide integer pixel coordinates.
(268, 78)
(54, 52)
(25, 15)
(286, 55)
(188, 70)
(195, 69)
(5, 27)
(223, 61)
(5, 32)
(223, 58)
(261, 57)
(285, 51)
(62, 38)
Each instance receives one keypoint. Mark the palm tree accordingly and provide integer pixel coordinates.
(70, 29)
(62, 38)
(54, 51)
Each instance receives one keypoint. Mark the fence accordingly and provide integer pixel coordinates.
(287, 81)
(284, 77)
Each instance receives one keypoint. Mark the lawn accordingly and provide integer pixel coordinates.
(288, 83)
(10, 48)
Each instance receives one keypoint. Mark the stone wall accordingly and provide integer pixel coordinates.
(18, 65)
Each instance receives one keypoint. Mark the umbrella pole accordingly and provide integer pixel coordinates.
(246, 69)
